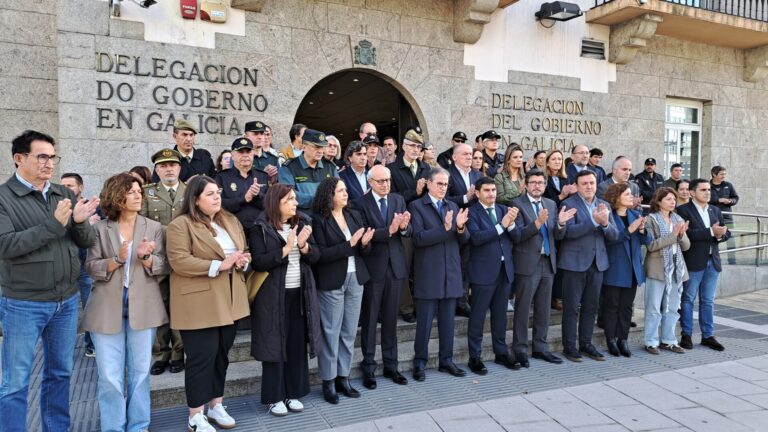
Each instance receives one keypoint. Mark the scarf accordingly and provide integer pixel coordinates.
(674, 265)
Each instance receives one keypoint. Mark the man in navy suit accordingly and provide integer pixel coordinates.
(384, 212)
(582, 258)
(536, 228)
(490, 273)
(439, 228)
(706, 231)
(580, 158)
(355, 175)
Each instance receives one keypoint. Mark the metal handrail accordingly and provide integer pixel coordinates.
(743, 248)
(751, 9)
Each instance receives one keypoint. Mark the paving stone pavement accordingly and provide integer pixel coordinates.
(700, 390)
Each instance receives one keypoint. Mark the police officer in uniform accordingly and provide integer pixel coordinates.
(445, 159)
(256, 131)
(492, 159)
(649, 180)
(162, 203)
(305, 172)
(243, 186)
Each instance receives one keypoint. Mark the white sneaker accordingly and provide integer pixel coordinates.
(278, 409)
(294, 405)
(510, 306)
(199, 423)
(218, 415)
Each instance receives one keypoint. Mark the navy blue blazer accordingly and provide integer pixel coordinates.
(702, 241)
(436, 258)
(354, 189)
(571, 172)
(386, 251)
(624, 254)
(584, 243)
(456, 187)
(488, 246)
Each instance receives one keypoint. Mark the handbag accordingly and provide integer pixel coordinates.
(253, 283)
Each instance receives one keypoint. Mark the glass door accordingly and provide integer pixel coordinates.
(682, 136)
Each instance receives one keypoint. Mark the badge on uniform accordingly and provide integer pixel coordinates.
(233, 186)
(151, 192)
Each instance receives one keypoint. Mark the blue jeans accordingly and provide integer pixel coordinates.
(128, 352)
(85, 283)
(704, 284)
(660, 309)
(24, 322)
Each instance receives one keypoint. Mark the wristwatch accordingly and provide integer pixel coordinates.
(117, 260)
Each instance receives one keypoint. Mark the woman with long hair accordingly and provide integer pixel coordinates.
(557, 189)
(285, 325)
(510, 182)
(340, 273)
(224, 161)
(665, 271)
(477, 161)
(206, 250)
(125, 306)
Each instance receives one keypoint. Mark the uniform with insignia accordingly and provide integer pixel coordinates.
(263, 160)
(199, 163)
(234, 186)
(495, 163)
(304, 179)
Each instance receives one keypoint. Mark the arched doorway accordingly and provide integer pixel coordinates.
(340, 102)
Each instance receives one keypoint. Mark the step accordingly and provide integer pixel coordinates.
(244, 377)
(406, 332)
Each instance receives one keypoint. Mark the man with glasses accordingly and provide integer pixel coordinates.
(580, 158)
(304, 173)
(194, 161)
(706, 231)
(41, 226)
(445, 159)
(256, 131)
(243, 187)
(385, 212)
(492, 159)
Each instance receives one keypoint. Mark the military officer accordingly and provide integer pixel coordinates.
(162, 203)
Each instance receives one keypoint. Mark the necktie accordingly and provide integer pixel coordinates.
(440, 207)
(172, 194)
(413, 168)
(383, 208)
(543, 229)
(492, 214)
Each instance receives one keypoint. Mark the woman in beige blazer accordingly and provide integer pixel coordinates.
(125, 306)
(205, 250)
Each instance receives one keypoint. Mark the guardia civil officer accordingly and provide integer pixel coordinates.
(305, 172)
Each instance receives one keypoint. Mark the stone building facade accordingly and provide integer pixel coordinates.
(109, 95)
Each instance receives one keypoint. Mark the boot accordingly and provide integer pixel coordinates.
(344, 387)
(624, 348)
(612, 347)
(329, 392)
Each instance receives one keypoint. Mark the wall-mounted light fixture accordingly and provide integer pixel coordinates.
(558, 11)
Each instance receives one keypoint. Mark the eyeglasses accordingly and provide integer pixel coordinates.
(536, 183)
(43, 159)
(412, 145)
(380, 181)
(440, 184)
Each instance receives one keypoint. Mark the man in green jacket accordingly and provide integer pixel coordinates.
(41, 227)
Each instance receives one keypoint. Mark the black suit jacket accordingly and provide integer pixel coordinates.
(552, 192)
(403, 181)
(331, 269)
(386, 251)
(354, 189)
(457, 189)
(702, 241)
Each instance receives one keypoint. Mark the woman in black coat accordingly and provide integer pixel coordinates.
(285, 308)
(340, 274)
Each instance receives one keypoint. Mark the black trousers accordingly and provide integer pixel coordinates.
(445, 309)
(288, 379)
(493, 297)
(617, 310)
(581, 293)
(207, 362)
(380, 298)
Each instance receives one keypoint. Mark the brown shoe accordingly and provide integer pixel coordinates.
(557, 304)
(652, 350)
(674, 348)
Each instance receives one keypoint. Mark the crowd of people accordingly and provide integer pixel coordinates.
(306, 244)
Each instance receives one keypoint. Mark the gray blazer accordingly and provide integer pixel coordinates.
(603, 186)
(528, 239)
(584, 243)
(654, 260)
(104, 311)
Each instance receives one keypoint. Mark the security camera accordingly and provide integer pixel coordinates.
(145, 3)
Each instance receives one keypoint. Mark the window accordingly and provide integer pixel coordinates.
(682, 136)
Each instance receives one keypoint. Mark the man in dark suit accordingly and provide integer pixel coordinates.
(582, 258)
(355, 175)
(649, 180)
(595, 156)
(706, 231)
(193, 160)
(536, 228)
(409, 179)
(580, 159)
(386, 214)
(490, 273)
(439, 228)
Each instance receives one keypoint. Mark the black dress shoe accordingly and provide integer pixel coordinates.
(344, 387)
(592, 352)
(547, 357)
(329, 392)
(463, 310)
(395, 376)
(158, 367)
(176, 366)
(507, 360)
(419, 374)
(712, 343)
(476, 365)
(523, 360)
(624, 348)
(632, 324)
(409, 318)
(369, 381)
(613, 348)
(452, 369)
(686, 342)
(572, 355)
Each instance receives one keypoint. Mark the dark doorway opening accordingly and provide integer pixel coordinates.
(340, 102)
